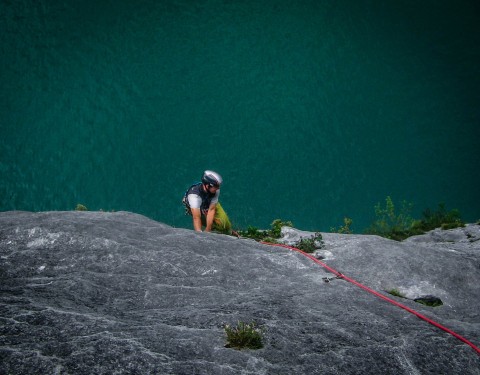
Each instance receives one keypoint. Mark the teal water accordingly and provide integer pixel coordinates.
(311, 110)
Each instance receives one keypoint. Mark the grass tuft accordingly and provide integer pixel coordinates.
(431, 301)
(243, 336)
(396, 293)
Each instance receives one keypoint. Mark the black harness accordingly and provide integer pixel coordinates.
(206, 197)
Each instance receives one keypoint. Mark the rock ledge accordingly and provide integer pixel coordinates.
(102, 293)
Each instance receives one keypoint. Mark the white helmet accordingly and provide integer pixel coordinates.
(212, 178)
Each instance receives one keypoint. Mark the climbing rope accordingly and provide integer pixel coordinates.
(342, 276)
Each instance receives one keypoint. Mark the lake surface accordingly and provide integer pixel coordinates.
(310, 110)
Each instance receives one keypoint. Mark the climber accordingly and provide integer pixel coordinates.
(201, 201)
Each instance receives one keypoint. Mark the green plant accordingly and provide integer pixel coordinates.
(389, 224)
(395, 292)
(441, 218)
(446, 226)
(309, 245)
(395, 226)
(81, 207)
(431, 301)
(253, 232)
(243, 336)
(277, 225)
(266, 235)
(345, 229)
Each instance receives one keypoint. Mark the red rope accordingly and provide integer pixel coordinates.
(428, 320)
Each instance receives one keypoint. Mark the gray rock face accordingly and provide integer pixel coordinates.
(117, 293)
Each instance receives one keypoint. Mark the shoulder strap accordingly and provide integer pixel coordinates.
(191, 186)
(185, 200)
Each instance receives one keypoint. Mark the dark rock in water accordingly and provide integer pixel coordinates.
(117, 293)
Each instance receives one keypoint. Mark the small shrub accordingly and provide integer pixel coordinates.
(277, 225)
(345, 229)
(81, 207)
(441, 218)
(389, 224)
(253, 232)
(266, 235)
(243, 336)
(446, 226)
(309, 245)
(395, 226)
